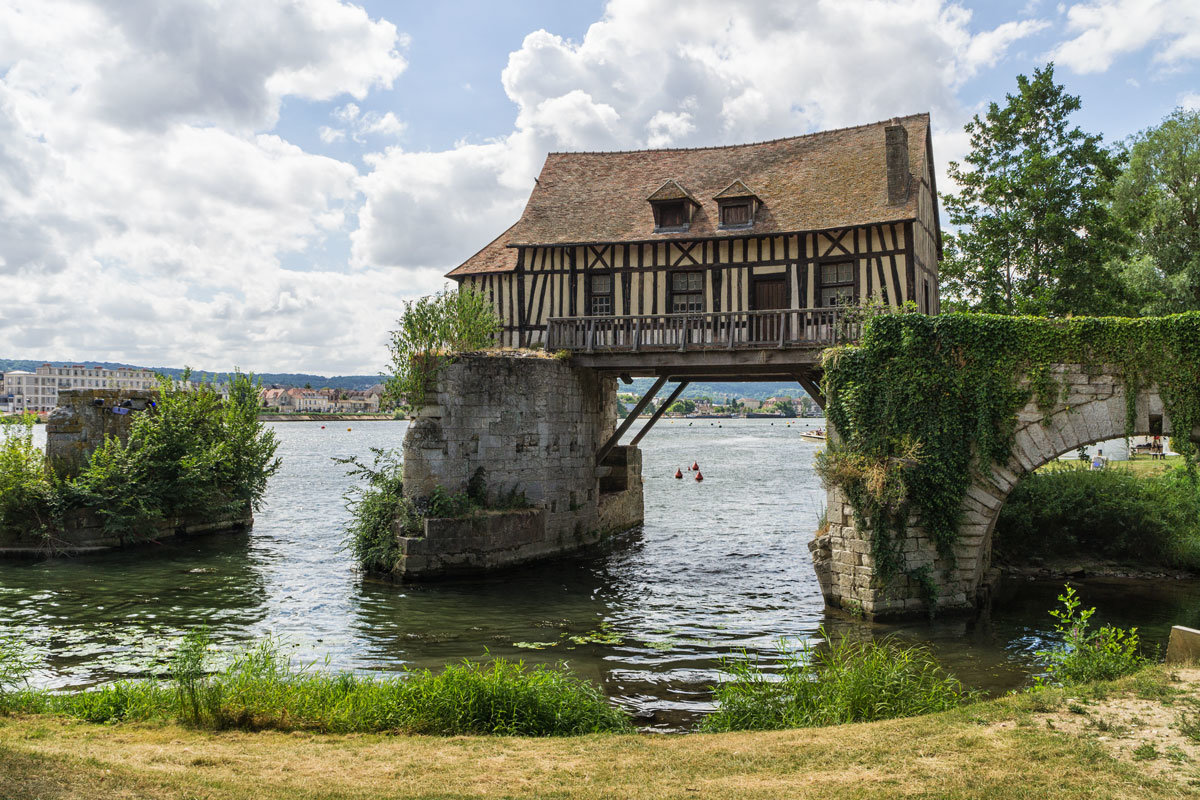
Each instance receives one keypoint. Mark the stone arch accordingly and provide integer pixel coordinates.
(1091, 408)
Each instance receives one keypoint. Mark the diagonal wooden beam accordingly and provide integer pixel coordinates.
(671, 398)
(812, 387)
(629, 420)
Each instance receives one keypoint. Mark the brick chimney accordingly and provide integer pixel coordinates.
(897, 164)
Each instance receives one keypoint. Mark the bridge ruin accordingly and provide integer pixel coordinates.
(1092, 408)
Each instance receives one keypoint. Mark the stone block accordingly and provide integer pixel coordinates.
(1183, 647)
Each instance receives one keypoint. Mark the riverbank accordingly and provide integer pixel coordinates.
(1114, 740)
(326, 418)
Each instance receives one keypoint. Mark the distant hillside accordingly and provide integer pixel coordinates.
(288, 378)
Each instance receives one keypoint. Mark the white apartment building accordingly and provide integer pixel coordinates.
(38, 391)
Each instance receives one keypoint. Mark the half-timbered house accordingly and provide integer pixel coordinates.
(647, 246)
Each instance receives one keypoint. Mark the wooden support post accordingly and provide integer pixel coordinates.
(671, 398)
(812, 387)
(629, 420)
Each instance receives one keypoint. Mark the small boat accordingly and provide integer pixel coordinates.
(817, 435)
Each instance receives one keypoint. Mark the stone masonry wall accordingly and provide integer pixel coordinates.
(1093, 410)
(83, 418)
(534, 424)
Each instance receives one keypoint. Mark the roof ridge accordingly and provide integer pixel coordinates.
(743, 144)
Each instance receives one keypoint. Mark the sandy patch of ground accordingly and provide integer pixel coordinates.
(1157, 730)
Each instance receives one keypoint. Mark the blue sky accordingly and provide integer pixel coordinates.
(218, 183)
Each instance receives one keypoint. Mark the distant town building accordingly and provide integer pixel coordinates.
(37, 391)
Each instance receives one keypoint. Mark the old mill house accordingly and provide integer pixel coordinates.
(648, 243)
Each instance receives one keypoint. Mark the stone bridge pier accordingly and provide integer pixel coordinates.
(1092, 410)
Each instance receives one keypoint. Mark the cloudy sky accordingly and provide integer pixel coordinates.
(262, 184)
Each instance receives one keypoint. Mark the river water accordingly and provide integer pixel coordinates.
(719, 567)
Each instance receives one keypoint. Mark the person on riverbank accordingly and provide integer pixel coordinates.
(1098, 460)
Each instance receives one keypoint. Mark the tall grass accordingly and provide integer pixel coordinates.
(262, 688)
(1112, 513)
(834, 683)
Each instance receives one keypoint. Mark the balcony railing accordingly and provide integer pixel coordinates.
(729, 330)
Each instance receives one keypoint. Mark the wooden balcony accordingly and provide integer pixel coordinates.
(779, 329)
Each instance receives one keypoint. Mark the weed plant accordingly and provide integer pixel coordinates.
(1112, 513)
(262, 688)
(834, 683)
(379, 511)
(1088, 654)
(429, 331)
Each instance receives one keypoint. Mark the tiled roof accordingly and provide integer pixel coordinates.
(831, 179)
(671, 190)
(496, 256)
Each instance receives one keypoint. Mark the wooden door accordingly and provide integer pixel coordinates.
(768, 294)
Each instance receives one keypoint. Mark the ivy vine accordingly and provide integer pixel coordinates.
(923, 403)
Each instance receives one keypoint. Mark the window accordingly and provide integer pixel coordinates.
(672, 215)
(601, 303)
(837, 284)
(928, 308)
(735, 214)
(687, 292)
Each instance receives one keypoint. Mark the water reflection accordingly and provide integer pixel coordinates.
(719, 567)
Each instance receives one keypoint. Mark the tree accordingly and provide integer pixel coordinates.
(785, 407)
(1158, 199)
(682, 406)
(1035, 232)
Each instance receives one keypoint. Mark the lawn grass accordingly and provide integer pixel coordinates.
(1139, 464)
(996, 749)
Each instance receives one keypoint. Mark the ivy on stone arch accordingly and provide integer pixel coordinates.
(923, 402)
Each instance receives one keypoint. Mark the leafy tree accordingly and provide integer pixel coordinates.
(785, 407)
(429, 331)
(1035, 232)
(1158, 199)
(682, 406)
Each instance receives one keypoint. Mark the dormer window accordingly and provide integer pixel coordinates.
(736, 205)
(735, 213)
(671, 215)
(672, 207)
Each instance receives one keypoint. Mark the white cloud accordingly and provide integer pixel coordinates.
(146, 211)
(720, 73)
(668, 126)
(1190, 101)
(150, 211)
(1107, 29)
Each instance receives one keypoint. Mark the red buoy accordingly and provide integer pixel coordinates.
(322, 427)
(679, 474)
(695, 467)
(699, 475)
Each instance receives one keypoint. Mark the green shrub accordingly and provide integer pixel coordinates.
(378, 511)
(193, 454)
(835, 683)
(24, 488)
(428, 332)
(1089, 655)
(1112, 513)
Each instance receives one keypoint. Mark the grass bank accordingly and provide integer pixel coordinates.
(263, 689)
(1101, 740)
